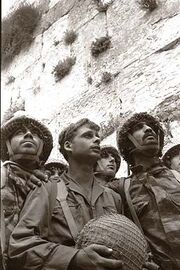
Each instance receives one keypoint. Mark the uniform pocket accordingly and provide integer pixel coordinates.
(175, 198)
(10, 210)
(140, 207)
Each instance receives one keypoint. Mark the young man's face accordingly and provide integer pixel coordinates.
(85, 144)
(25, 141)
(144, 135)
(175, 163)
(106, 165)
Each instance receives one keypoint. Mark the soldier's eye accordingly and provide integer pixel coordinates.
(137, 127)
(34, 131)
(88, 135)
(104, 155)
(19, 132)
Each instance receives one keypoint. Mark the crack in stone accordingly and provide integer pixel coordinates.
(170, 46)
(82, 25)
(54, 19)
(162, 19)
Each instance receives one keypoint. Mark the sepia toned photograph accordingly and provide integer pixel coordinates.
(90, 135)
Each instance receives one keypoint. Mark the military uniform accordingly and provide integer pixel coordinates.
(41, 243)
(13, 176)
(155, 194)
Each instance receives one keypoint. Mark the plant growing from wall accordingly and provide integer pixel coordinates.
(148, 4)
(56, 42)
(17, 31)
(69, 37)
(89, 80)
(101, 6)
(10, 80)
(63, 68)
(106, 77)
(100, 45)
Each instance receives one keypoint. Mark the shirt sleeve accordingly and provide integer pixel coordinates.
(29, 247)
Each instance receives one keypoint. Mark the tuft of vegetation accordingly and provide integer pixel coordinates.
(89, 80)
(56, 42)
(63, 68)
(10, 79)
(106, 77)
(36, 90)
(148, 4)
(69, 37)
(101, 6)
(100, 45)
(17, 31)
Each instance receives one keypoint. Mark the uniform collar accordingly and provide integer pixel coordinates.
(97, 189)
(154, 169)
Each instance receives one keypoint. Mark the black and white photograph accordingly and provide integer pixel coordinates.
(90, 135)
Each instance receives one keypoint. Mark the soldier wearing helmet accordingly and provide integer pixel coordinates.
(172, 160)
(107, 165)
(152, 192)
(54, 168)
(79, 199)
(26, 145)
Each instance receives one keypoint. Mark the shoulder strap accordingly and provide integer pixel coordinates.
(53, 195)
(110, 197)
(51, 188)
(121, 188)
(62, 194)
(130, 204)
(132, 210)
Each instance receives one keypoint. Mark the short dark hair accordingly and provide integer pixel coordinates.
(70, 132)
(114, 152)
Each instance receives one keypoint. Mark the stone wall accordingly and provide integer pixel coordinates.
(143, 59)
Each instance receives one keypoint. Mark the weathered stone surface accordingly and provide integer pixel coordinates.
(144, 60)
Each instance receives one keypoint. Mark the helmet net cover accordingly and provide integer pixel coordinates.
(55, 164)
(118, 233)
(15, 123)
(125, 146)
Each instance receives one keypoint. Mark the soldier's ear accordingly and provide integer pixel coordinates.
(68, 146)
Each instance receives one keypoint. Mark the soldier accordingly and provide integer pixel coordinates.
(172, 160)
(108, 164)
(26, 145)
(152, 192)
(46, 233)
(54, 168)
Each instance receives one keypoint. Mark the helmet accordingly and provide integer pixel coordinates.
(112, 150)
(125, 146)
(55, 163)
(9, 128)
(172, 152)
(118, 233)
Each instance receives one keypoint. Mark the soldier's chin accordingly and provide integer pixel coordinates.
(150, 150)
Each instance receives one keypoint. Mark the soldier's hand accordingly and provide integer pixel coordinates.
(95, 257)
(36, 178)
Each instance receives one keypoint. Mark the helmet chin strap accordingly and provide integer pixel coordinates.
(154, 150)
(20, 156)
